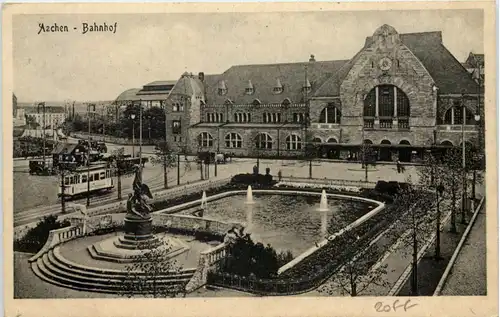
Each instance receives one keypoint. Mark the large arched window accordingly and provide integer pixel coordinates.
(386, 102)
(330, 114)
(233, 140)
(293, 142)
(316, 140)
(205, 139)
(263, 141)
(455, 115)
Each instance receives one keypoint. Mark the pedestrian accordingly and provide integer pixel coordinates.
(398, 165)
(279, 175)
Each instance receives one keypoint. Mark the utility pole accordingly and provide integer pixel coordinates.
(364, 148)
(42, 105)
(178, 168)
(89, 106)
(464, 172)
(140, 138)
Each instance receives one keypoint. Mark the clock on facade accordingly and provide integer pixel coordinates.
(385, 63)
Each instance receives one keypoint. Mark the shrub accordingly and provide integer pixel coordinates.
(249, 259)
(253, 179)
(36, 237)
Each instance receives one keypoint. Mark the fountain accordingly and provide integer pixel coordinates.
(324, 227)
(323, 204)
(249, 196)
(204, 200)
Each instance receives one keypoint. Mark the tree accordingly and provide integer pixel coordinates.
(432, 176)
(416, 222)
(357, 274)
(451, 175)
(310, 151)
(360, 271)
(31, 121)
(119, 167)
(147, 274)
(166, 157)
(36, 237)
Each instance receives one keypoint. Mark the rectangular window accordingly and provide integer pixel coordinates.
(176, 126)
(91, 177)
(84, 178)
(66, 181)
(102, 175)
(96, 176)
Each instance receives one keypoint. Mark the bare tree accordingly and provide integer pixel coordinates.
(166, 157)
(147, 274)
(432, 175)
(358, 274)
(417, 222)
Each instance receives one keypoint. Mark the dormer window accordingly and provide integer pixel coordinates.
(278, 87)
(249, 90)
(222, 88)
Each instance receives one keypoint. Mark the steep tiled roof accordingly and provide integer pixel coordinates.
(264, 77)
(188, 85)
(448, 73)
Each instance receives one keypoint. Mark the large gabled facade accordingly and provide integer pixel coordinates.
(398, 89)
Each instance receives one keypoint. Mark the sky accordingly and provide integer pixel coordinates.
(150, 47)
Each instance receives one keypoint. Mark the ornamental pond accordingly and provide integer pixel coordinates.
(287, 221)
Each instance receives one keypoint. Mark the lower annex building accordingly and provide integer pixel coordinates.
(399, 89)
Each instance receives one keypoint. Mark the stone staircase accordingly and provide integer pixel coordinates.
(53, 268)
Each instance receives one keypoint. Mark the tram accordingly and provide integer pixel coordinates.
(98, 177)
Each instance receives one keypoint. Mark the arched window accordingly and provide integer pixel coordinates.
(293, 142)
(263, 141)
(448, 143)
(330, 114)
(286, 102)
(221, 117)
(454, 116)
(386, 101)
(316, 140)
(233, 140)
(205, 139)
(366, 141)
(256, 102)
(331, 140)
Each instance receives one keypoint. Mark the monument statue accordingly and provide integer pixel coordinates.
(137, 202)
(138, 220)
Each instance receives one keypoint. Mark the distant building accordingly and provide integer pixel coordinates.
(180, 99)
(54, 115)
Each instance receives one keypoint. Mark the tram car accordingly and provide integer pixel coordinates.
(76, 184)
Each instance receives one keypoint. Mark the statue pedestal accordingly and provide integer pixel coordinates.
(138, 233)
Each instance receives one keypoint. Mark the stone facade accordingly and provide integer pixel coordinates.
(398, 89)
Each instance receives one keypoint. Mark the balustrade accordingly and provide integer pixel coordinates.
(403, 124)
(386, 123)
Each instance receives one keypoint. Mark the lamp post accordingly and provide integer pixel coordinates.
(464, 172)
(363, 148)
(132, 116)
(439, 193)
(477, 117)
(149, 128)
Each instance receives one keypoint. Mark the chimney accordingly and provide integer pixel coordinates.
(312, 59)
(201, 76)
